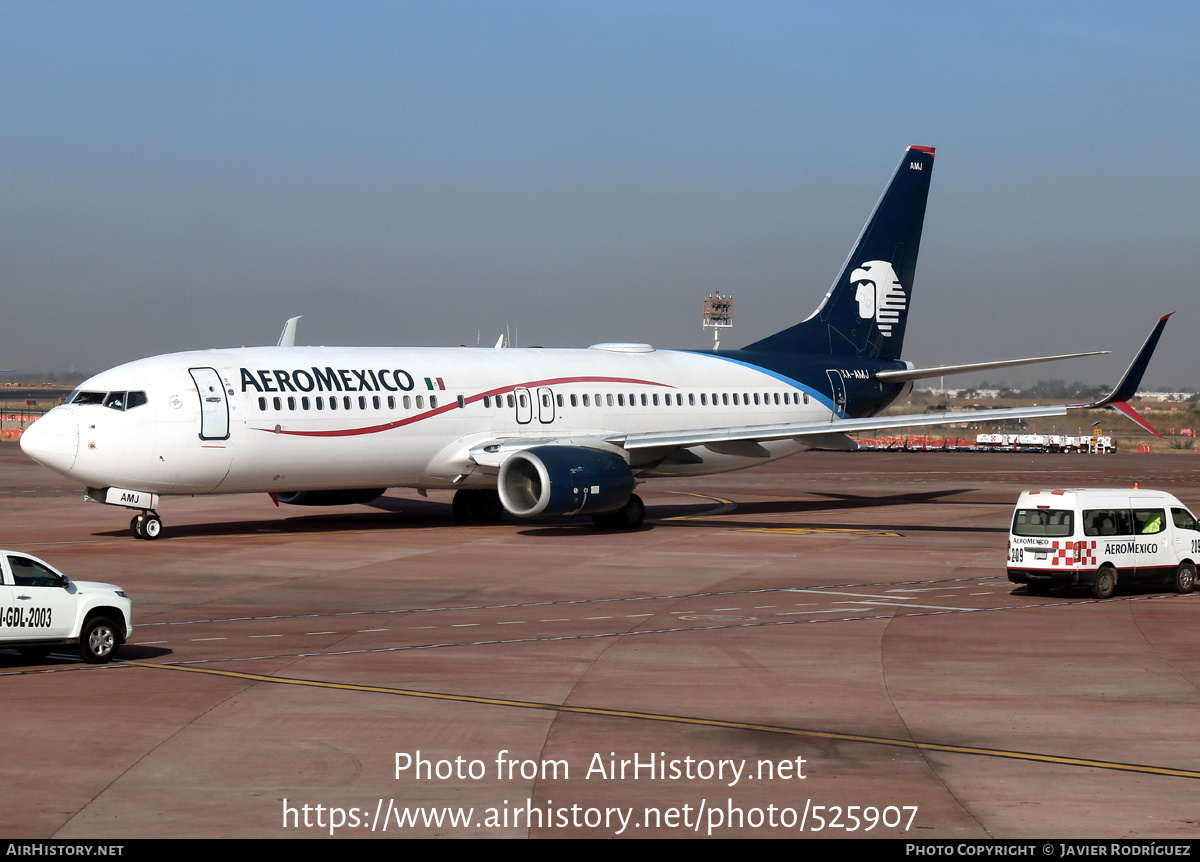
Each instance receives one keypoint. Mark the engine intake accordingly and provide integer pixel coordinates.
(564, 480)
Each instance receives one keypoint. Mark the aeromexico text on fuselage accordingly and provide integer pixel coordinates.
(334, 380)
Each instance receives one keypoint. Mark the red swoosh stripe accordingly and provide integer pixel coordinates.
(453, 405)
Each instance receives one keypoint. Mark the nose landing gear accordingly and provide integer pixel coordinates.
(147, 525)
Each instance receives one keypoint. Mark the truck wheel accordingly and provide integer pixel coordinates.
(1185, 578)
(1106, 583)
(98, 641)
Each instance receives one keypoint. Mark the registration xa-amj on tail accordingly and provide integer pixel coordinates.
(536, 432)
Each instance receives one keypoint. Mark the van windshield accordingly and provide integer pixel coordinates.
(1056, 523)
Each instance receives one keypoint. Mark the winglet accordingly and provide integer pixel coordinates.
(1128, 386)
(287, 338)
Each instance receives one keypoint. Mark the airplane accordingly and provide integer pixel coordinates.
(529, 431)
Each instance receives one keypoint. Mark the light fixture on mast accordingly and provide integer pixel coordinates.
(718, 315)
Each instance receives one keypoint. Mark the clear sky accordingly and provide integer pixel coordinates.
(190, 174)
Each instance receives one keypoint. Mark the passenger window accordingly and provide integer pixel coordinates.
(1107, 522)
(291, 403)
(276, 403)
(29, 573)
(375, 401)
(391, 402)
(362, 402)
(433, 401)
(1149, 521)
(304, 402)
(1183, 520)
(262, 403)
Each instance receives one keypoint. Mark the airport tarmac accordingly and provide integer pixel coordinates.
(844, 617)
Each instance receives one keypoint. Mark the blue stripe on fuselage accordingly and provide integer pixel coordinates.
(822, 397)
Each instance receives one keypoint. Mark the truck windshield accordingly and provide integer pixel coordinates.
(1056, 523)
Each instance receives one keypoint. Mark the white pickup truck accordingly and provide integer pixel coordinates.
(42, 610)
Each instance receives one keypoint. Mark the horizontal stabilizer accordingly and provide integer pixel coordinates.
(946, 370)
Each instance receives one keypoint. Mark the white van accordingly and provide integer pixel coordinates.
(1102, 538)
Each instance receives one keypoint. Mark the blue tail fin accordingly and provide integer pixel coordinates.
(865, 312)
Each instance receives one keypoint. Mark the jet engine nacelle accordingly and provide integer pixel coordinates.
(329, 498)
(564, 480)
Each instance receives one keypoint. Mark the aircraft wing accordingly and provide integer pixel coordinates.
(947, 370)
(830, 429)
(829, 434)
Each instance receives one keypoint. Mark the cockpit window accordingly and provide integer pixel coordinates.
(111, 400)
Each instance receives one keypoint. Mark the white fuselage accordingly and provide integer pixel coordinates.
(399, 417)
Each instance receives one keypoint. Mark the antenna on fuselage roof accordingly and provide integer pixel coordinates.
(287, 338)
(718, 315)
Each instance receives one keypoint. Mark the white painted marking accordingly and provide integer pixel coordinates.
(859, 595)
(923, 607)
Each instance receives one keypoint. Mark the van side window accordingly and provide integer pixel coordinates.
(1184, 520)
(1149, 521)
(1107, 522)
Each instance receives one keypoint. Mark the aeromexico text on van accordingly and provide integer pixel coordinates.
(334, 380)
(1131, 548)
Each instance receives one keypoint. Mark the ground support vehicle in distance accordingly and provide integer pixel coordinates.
(1102, 538)
(42, 610)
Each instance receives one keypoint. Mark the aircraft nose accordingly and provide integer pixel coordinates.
(53, 440)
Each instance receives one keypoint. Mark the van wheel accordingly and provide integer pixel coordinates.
(1106, 583)
(1185, 578)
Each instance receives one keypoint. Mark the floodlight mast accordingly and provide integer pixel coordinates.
(718, 315)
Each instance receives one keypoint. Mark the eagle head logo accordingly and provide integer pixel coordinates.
(879, 294)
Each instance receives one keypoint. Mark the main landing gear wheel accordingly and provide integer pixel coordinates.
(631, 516)
(477, 506)
(146, 526)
